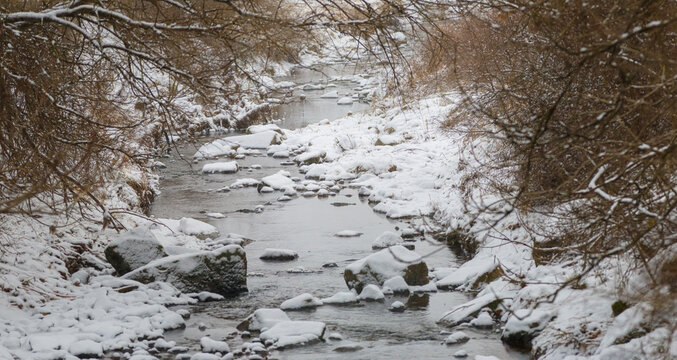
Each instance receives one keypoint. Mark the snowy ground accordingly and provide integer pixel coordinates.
(413, 168)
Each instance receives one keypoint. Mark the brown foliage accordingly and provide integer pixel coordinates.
(83, 82)
(581, 94)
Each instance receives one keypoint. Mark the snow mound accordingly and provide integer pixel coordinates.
(456, 337)
(397, 285)
(227, 167)
(279, 254)
(133, 250)
(197, 228)
(371, 292)
(209, 345)
(303, 301)
(465, 312)
(387, 239)
(261, 140)
(244, 182)
(294, 333)
(386, 264)
(343, 297)
(330, 95)
(468, 273)
(263, 319)
(346, 100)
(222, 271)
(278, 181)
(255, 129)
(215, 149)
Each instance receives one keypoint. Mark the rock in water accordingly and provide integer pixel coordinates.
(397, 306)
(263, 319)
(387, 239)
(222, 271)
(279, 255)
(456, 338)
(385, 264)
(303, 301)
(133, 250)
(371, 292)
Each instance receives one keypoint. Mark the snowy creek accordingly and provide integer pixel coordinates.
(307, 225)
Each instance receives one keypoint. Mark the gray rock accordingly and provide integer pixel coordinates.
(385, 264)
(222, 271)
(133, 250)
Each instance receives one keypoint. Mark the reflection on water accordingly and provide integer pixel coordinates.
(307, 225)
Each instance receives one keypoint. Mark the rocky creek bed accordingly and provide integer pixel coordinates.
(326, 233)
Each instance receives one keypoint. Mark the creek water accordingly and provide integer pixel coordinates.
(308, 225)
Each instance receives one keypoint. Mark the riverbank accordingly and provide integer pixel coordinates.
(413, 165)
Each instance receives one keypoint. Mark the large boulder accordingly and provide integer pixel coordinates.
(133, 250)
(524, 325)
(385, 264)
(222, 271)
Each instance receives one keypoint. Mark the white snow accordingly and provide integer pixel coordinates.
(462, 313)
(371, 292)
(281, 154)
(346, 100)
(461, 354)
(396, 284)
(343, 297)
(216, 148)
(86, 348)
(467, 273)
(484, 319)
(204, 356)
(212, 346)
(215, 215)
(456, 337)
(310, 156)
(526, 320)
(293, 333)
(389, 140)
(278, 254)
(278, 181)
(260, 140)
(386, 263)
(228, 167)
(255, 129)
(303, 301)
(330, 95)
(263, 319)
(386, 239)
(397, 306)
(190, 226)
(245, 182)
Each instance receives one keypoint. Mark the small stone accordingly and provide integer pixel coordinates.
(456, 338)
(461, 354)
(397, 306)
(202, 327)
(178, 350)
(348, 348)
(335, 336)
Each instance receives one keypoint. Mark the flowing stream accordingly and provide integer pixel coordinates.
(307, 225)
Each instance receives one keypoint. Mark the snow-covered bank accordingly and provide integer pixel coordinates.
(414, 167)
(59, 298)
